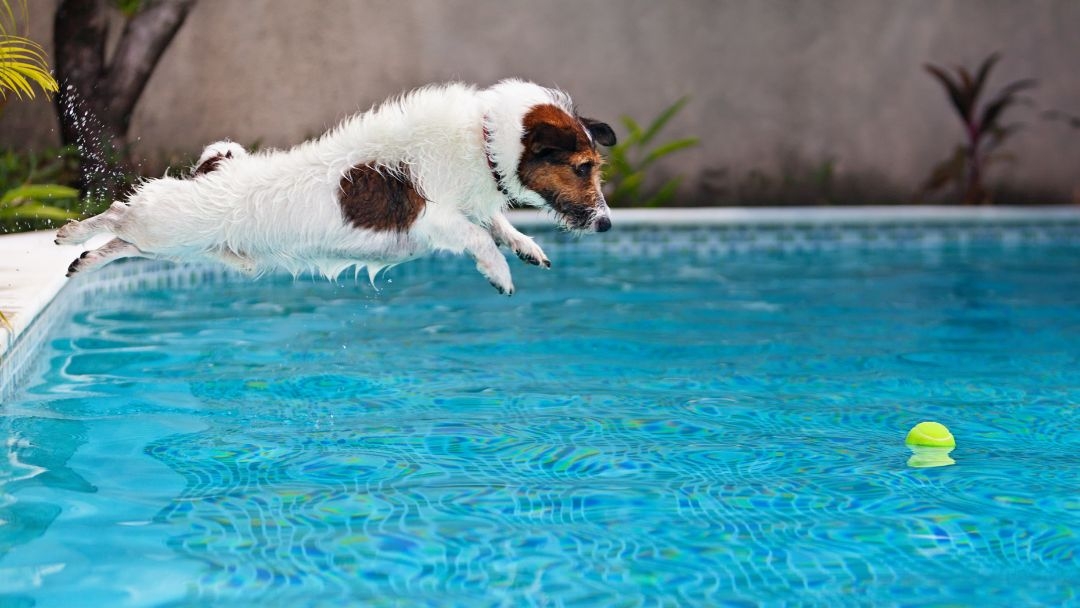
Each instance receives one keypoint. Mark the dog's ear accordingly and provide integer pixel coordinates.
(546, 138)
(600, 131)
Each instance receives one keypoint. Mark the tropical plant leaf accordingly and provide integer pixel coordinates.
(10, 82)
(989, 159)
(627, 189)
(982, 74)
(665, 194)
(36, 211)
(625, 172)
(22, 62)
(1005, 98)
(128, 7)
(967, 89)
(618, 162)
(662, 120)
(5, 5)
(998, 135)
(38, 192)
(947, 171)
(5, 323)
(1068, 119)
(672, 146)
(956, 95)
(633, 130)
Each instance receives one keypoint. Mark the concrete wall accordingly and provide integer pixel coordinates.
(822, 100)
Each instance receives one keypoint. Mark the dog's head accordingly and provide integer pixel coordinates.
(561, 163)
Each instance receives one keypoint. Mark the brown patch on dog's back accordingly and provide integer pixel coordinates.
(379, 200)
(210, 164)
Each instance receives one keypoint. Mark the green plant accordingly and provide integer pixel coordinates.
(1070, 120)
(30, 198)
(983, 129)
(34, 202)
(25, 201)
(22, 61)
(630, 160)
(128, 7)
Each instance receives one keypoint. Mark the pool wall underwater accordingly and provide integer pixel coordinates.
(705, 231)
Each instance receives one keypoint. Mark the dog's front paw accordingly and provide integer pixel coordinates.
(531, 253)
(501, 280)
(503, 289)
(498, 274)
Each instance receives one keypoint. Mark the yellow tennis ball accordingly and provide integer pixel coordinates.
(931, 434)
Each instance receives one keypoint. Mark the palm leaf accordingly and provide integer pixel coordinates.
(9, 14)
(22, 62)
(41, 77)
(14, 83)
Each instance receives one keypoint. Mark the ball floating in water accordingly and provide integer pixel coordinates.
(931, 435)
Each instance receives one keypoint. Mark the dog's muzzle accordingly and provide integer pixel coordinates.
(602, 219)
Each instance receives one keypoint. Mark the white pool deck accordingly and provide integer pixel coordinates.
(32, 266)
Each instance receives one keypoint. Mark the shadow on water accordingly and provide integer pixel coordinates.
(37, 453)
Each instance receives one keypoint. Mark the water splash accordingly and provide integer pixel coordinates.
(102, 171)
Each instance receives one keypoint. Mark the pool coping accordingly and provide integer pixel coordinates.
(859, 215)
(32, 266)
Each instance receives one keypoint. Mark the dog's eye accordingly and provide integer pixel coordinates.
(583, 170)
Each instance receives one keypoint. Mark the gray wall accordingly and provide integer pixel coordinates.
(822, 100)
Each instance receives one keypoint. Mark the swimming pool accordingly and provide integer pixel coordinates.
(667, 417)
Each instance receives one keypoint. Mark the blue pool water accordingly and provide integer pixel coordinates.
(627, 430)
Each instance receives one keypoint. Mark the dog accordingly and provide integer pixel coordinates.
(432, 170)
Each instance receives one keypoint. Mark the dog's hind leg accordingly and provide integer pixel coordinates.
(238, 262)
(77, 232)
(113, 250)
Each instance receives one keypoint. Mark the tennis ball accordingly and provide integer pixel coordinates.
(932, 435)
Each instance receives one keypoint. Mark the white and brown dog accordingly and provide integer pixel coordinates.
(431, 171)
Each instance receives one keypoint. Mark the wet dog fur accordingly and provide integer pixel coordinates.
(433, 170)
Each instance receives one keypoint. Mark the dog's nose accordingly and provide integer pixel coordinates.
(603, 224)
